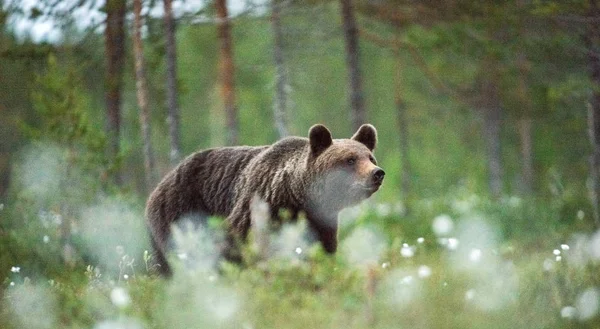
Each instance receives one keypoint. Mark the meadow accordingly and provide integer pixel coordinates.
(456, 261)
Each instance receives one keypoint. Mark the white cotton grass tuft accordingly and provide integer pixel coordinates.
(260, 217)
(449, 243)
(442, 225)
(587, 304)
(290, 241)
(196, 246)
(478, 239)
(383, 209)
(407, 251)
(41, 171)
(120, 297)
(568, 312)
(475, 255)
(33, 306)
(400, 288)
(223, 304)
(453, 243)
(494, 289)
(582, 249)
(424, 271)
(470, 294)
(495, 282)
(594, 246)
(111, 228)
(363, 247)
(548, 265)
(197, 300)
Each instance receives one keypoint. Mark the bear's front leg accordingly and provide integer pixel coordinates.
(325, 229)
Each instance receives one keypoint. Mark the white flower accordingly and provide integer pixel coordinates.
(424, 271)
(475, 255)
(470, 294)
(568, 312)
(442, 225)
(588, 303)
(452, 243)
(15, 269)
(120, 297)
(407, 251)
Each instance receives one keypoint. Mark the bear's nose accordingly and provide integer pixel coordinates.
(378, 174)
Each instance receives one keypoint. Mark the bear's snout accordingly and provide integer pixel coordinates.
(378, 175)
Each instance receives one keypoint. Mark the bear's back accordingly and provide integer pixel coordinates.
(213, 174)
(203, 183)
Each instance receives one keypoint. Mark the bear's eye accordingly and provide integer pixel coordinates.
(351, 161)
(372, 159)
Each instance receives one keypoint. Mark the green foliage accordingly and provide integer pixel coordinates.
(62, 107)
(515, 281)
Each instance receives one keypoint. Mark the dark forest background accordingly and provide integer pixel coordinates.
(497, 97)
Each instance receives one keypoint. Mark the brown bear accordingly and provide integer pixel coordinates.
(318, 176)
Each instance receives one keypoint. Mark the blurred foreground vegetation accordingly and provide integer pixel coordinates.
(457, 261)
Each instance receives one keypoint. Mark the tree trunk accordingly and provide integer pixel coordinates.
(492, 121)
(226, 69)
(594, 179)
(525, 122)
(592, 40)
(114, 34)
(173, 109)
(279, 108)
(402, 130)
(142, 95)
(492, 124)
(527, 173)
(525, 127)
(358, 113)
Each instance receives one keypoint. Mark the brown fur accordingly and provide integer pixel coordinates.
(299, 174)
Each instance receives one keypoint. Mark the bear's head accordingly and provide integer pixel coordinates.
(344, 171)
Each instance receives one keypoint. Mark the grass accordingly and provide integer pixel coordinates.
(513, 264)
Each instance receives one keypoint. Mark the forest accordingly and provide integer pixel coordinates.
(488, 121)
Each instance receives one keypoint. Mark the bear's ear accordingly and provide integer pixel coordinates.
(366, 134)
(320, 139)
